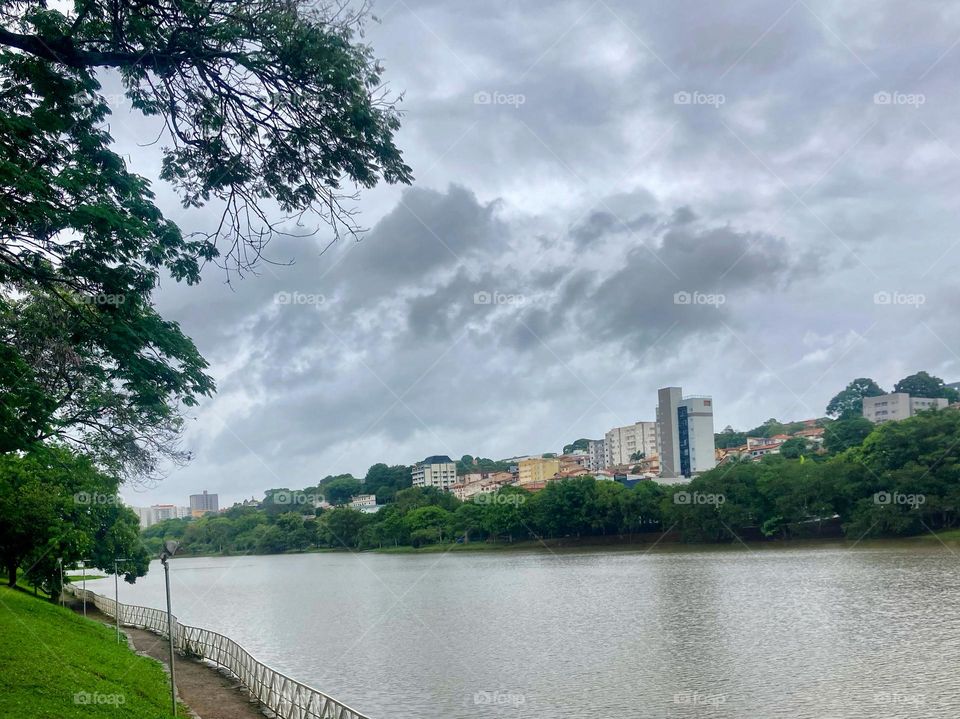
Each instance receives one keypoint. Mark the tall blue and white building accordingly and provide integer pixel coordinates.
(684, 434)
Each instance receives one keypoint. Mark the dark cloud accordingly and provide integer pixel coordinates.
(529, 289)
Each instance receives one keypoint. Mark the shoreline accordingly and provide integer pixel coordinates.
(646, 542)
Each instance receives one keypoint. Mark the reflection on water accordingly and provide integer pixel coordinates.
(814, 632)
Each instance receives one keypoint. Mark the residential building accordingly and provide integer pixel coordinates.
(490, 482)
(435, 471)
(898, 405)
(201, 504)
(757, 442)
(684, 434)
(574, 461)
(621, 444)
(537, 469)
(596, 454)
(366, 503)
(159, 512)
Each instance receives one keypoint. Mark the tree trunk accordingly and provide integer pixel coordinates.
(11, 571)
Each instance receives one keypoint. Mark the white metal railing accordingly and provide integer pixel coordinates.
(285, 697)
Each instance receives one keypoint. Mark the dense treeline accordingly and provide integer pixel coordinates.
(903, 479)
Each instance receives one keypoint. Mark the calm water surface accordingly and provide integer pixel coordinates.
(809, 632)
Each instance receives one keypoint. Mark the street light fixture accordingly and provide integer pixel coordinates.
(170, 548)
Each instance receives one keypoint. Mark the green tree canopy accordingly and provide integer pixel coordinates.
(849, 401)
(843, 434)
(56, 505)
(923, 384)
(109, 381)
(580, 444)
(270, 101)
(341, 490)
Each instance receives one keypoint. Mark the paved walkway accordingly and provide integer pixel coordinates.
(210, 694)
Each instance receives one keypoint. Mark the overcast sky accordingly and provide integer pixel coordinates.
(789, 168)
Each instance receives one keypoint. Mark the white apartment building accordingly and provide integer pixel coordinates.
(596, 454)
(159, 512)
(898, 405)
(621, 443)
(437, 471)
(366, 503)
(364, 500)
(684, 434)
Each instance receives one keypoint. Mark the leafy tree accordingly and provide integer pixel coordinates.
(580, 444)
(428, 525)
(384, 481)
(849, 402)
(341, 527)
(923, 384)
(56, 505)
(729, 438)
(469, 519)
(843, 434)
(640, 507)
(341, 490)
(107, 381)
(795, 447)
(508, 513)
(266, 103)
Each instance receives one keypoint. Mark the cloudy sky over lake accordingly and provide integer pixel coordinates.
(753, 200)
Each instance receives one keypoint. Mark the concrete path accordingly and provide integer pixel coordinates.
(209, 693)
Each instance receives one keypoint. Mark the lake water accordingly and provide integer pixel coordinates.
(816, 632)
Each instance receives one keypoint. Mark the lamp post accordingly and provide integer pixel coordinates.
(116, 596)
(169, 549)
(60, 564)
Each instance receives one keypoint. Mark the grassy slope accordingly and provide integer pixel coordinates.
(49, 655)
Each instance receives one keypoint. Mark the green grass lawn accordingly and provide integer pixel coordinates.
(58, 665)
(946, 536)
